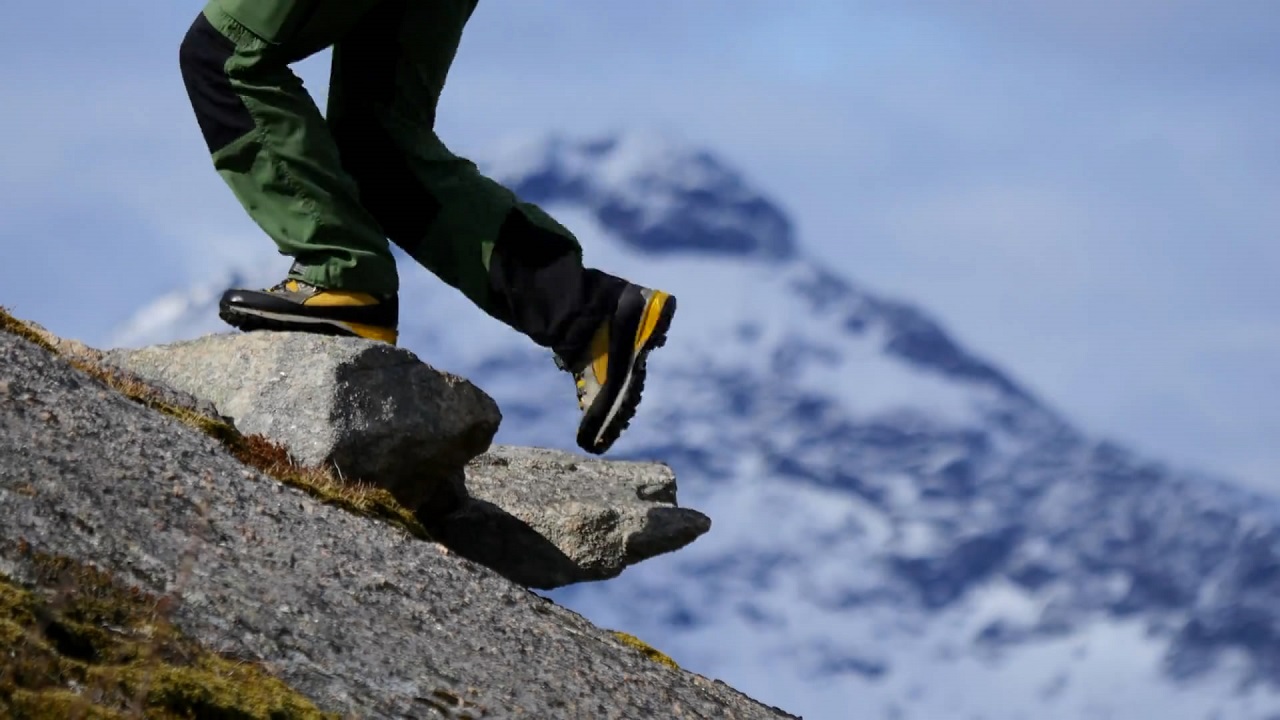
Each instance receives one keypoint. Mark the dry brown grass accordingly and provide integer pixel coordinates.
(14, 326)
(323, 483)
(256, 451)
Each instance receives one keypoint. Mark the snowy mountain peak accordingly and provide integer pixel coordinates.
(658, 195)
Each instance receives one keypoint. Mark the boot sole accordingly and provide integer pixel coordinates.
(628, 401)
(249, 320)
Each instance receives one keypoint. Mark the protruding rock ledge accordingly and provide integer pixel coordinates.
(545, 518)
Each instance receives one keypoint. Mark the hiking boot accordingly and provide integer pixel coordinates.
(610, 378)
(294, 305)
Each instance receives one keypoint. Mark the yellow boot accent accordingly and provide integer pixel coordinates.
(373, 332)
(649, 320)
(600, 353)
(340, 298)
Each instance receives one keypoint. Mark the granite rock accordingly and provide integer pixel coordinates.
(375, 412)
(546, 518)
(356, 614)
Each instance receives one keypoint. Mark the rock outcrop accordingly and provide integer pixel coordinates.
(375, 412)
(546, 518)
(540, 517)
(357, 615)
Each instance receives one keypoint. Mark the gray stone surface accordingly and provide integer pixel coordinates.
(83, 354)
(376, 412)
(354, 613)
(160, 392)
(65, 346)
(545, 518)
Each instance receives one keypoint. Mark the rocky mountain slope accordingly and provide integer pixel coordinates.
(901, 530)
(148, 556)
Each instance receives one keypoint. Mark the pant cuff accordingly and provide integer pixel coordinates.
(362, 279)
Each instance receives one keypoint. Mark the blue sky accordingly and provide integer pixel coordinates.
(1084, 192)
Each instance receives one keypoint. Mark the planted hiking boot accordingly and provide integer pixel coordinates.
(610, 378)
(296, 306)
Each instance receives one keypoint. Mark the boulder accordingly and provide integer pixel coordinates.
(375, 412)
(545, 518)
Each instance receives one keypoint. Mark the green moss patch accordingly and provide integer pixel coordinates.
(77, 644)
(646, 649)
(253, 450)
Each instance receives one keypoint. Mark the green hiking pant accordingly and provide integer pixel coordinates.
(333, 190)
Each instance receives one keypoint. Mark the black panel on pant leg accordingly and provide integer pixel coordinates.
(370, 57)
(221, 113)
(388, 187)
(539, 287)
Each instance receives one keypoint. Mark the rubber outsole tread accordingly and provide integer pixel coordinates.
(250, 323)
(631, 403)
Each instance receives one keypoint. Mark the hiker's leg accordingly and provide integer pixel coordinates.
(269, 142)
(509, 257)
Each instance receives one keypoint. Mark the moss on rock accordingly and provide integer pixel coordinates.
(646, 649)
(81, 645)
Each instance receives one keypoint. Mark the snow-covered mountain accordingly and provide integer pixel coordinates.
(900, 530)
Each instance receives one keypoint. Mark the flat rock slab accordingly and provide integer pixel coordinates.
(545, 518)
(362, 618)
(374, 411)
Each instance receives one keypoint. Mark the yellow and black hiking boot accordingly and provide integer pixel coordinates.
(296, 306)
(610, 378)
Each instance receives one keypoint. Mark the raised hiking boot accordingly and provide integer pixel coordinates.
(296, 306)
(610, 378)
